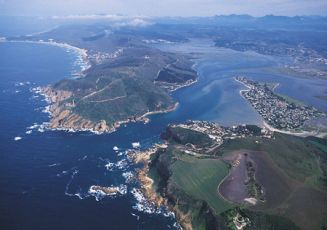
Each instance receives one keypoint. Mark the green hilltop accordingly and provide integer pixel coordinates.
(127, 79)
(291, 170)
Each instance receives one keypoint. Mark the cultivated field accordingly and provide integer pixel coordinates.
(199, 178)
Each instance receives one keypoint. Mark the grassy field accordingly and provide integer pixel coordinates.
(258, 220)
(293, 155)
(199, 178)
(319, 145)
(120, 99)
(304, 165)
(292, 170)
(184, 136)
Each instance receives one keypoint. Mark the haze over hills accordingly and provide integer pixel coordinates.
(211, 176)
(121, 52)
(125, 81)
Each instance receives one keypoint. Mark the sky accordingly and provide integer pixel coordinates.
(163, 7)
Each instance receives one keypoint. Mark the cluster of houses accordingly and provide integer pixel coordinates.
(276, 111)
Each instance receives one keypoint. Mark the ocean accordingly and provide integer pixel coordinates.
(45, 175)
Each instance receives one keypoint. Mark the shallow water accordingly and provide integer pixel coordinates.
(45, 176)
(218, 67)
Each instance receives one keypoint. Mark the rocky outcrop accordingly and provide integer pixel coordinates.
(62, 116)
(147, 183)
(105, 190)
(164, 192)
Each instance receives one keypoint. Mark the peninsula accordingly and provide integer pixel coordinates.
(243, 177)
(280, 113)
(126, 81)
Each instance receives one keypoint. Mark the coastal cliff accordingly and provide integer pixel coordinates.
(190, 213)
(161, 191)
(65, 117)
(217, 190)
(62, 116)
(126, 80)
(117, 91)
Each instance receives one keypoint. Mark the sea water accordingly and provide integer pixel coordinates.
(45, 176)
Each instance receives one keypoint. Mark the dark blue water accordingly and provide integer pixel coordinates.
(45, 176)
(40, 173)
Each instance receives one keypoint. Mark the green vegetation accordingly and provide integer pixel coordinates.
(319, 143)
(190, 184)
(120, 84)
(176, 74)
(253, 187)
(121, 88)
(185, 136)
(199, 178)
(119, 99)
(303, 163)
(258, 220)
(293, 155)
(292, 173)
(322, 147)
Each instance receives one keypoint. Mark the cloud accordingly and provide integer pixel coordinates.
(136, 22)
(110, 17)
(117, 20)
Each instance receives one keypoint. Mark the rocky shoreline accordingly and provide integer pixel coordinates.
(61, 102)
(148, 188)
(146, 182)
(63, 118)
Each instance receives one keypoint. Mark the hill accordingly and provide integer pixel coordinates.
(253, 181)
(127, 79)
